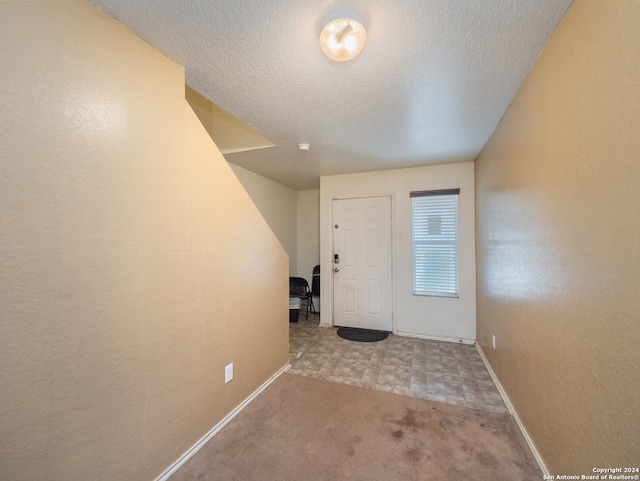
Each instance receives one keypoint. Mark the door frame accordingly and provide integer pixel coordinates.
(327, 265)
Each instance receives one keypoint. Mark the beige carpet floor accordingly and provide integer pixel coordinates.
(302, 428)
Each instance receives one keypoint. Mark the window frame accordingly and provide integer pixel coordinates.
(422, 292)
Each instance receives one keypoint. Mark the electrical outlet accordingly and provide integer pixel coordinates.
(228, 373)
(493, 341)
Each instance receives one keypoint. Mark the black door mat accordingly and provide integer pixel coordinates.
(362, 335)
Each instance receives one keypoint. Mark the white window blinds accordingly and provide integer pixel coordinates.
(435, 242)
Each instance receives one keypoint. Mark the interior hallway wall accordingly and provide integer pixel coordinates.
(133, 265)
(558, 242)
(278, 205)
(308, 229)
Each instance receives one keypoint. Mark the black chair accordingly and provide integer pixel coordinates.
(315, 285)
(299, 287)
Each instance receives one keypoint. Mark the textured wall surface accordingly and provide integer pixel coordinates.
(436, 317)
(133, 265)
(558, 242)
(308, 233)
(278, 205)
(228, 133)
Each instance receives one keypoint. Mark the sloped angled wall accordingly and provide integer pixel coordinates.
(133, 266)
(278, 206)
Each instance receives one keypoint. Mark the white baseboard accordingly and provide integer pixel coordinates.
(513, 412)
(216, 429)
(456, 340)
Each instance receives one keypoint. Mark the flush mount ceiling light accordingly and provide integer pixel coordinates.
(343, 37)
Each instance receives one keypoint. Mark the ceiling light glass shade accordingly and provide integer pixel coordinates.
(342, 39)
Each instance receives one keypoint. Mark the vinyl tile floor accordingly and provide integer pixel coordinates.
(434, 370)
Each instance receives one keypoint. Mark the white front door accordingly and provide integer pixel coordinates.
(362, 290)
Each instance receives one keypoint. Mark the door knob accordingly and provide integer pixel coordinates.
(336, 269)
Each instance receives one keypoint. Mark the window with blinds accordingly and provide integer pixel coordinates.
(435, 242)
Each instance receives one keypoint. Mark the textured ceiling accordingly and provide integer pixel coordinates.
(431, 84)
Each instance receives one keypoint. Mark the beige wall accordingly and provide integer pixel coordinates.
(133, 266)
(427, 316)
(278, 205)
(229, 134)
(308, 229)
(558, 242)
